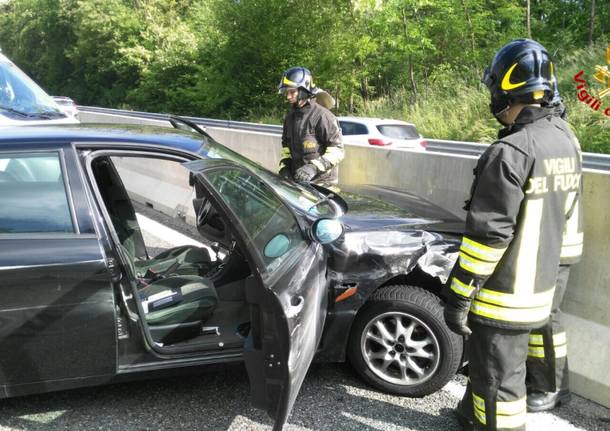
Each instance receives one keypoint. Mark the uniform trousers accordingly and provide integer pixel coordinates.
(495, 397)
(547, 361)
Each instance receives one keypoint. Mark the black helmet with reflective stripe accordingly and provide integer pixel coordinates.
(521, 71)
(297, 77)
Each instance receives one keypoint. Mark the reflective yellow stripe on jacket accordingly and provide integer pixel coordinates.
(478, 258)
(333, 155)
(318, 164)
(481, 251)
(571, 245)
(461, 289)
(509, 307)
(284, 154)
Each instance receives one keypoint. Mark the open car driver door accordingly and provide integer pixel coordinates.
(288, 303)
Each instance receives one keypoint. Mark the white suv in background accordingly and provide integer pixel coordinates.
(381, 132)
(23, 102)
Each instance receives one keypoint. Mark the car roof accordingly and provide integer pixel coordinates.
(108, 133)
(374, 121)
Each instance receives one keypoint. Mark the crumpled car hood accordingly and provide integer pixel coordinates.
(372, 207)
(389, 232)
(376, 255)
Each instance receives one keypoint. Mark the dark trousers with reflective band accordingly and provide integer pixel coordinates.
(495, 395)
(547, 361)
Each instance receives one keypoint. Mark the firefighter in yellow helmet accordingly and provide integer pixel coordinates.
(518, 225)
(312, 145)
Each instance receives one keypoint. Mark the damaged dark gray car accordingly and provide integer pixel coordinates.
(131, 249)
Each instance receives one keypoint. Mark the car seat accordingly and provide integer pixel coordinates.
(175, 307)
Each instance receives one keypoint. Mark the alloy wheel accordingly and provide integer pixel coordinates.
(400, 348)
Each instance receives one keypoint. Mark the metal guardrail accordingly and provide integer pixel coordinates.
(455, 147)
(594, 161)
(600, 162)
(210, 122)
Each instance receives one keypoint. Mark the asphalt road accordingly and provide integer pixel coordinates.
(216, 398)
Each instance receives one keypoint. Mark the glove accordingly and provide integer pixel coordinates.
(285, 173)
(306, 173)
(456, 318)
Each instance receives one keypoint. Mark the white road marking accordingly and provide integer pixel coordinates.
(43, 417)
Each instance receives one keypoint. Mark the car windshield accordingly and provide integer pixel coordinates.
(398, 131)
(22, 97)
(304, 198)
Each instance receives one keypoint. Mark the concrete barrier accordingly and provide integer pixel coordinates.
(587, 301)
(445, 180)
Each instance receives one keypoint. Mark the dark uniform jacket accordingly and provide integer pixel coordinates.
(311, 134)
(524, 215)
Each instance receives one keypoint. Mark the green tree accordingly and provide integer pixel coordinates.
(35, 34)
(420, 60)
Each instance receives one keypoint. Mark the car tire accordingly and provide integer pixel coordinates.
(419, 363)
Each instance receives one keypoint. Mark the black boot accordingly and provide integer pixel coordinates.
(542, 401)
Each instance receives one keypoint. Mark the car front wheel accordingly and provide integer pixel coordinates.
(400, 344)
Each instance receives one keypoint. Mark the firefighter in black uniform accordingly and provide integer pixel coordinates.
(312, 145)
(502, 286)
(547, 362)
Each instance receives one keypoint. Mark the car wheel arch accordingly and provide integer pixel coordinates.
(417, 277)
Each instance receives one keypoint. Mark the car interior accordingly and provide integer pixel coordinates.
(189, 294)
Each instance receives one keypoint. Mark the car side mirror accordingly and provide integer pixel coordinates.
(277, 246)
(326, 230)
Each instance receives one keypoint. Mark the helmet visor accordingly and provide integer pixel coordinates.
(285, 89)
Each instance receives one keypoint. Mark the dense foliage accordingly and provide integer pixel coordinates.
(419, 60)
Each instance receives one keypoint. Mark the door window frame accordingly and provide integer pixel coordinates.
(97, 196)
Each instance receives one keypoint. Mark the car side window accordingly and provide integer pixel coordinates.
(33, 194)
(398, 131)
(349, 128)
(271, 227)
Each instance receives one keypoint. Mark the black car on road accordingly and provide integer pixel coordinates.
(269, 272)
